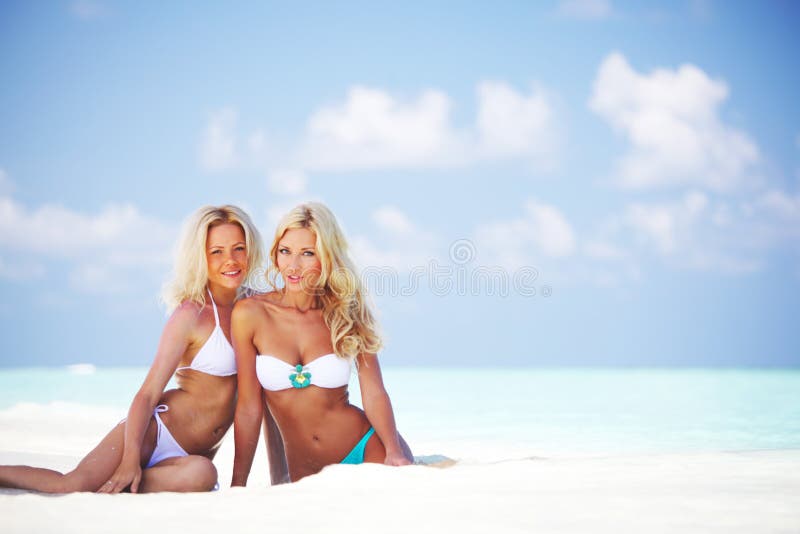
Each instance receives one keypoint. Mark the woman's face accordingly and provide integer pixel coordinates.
(226, 255)
(297, 259)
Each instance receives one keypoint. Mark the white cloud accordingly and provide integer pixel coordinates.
(781, 205)
(543, 232)
(119, 240)
(655, 224)
(373, 129)
(693, 233)
(774, 219)
(217, 149)
(550, 230)
(700, 232)
(671, 119)
(544, 239)
(393, 220)
(696, 231)
(397, 243)
(287, 182)
(512, 124)
(55, 231)
(585, 9)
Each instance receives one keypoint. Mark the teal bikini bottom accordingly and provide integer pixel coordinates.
(356, 456)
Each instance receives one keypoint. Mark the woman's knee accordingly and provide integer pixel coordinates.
(197, 474)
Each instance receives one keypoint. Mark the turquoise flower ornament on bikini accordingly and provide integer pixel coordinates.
(300, 379)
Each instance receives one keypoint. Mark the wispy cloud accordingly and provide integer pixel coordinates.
(778, 216)
(585, 9)
(393, 220)
(671, 119)
(217, 151)
(543, 238)
(396, 242)
(105, 252)
(287, 182)
(706, 233)
(696, 232)
(541, 233)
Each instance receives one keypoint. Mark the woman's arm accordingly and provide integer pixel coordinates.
(249, 407)
(378, 408)
(174, 340)
(276, 454)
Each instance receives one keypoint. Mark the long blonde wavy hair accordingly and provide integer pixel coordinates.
(354, 329)
(190, 269)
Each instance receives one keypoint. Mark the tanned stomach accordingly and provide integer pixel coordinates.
(318, 425)
(200, 410)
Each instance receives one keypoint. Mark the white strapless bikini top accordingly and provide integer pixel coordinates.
(328, 371)
(216, 356)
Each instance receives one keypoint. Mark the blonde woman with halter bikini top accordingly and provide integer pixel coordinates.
(169, 438)
(296, 348)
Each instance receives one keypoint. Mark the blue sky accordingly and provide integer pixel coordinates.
(633, 165)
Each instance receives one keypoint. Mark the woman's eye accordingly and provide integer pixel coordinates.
(283, 251)
(240, 248)
(216, 251)
(308, 253)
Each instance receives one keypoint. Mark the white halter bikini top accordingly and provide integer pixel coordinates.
(216, 356)
(328, 371)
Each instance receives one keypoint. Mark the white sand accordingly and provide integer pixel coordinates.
(698, 492)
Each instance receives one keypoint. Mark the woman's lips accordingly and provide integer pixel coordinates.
(232, 274)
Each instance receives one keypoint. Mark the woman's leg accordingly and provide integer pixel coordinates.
(93, 471)
(374, 452)
(184, 473)
(181, 473)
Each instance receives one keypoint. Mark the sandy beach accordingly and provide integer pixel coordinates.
(756, 491)
(721, 492)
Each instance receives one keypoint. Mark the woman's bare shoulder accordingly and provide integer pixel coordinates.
(256, 304)
(187, 319)
(187, 312)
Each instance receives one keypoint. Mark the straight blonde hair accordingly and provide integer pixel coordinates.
(190, 268)
(354, 329)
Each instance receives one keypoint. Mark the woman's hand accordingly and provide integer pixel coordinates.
(175, 339)
(396, 458)
(128, 473)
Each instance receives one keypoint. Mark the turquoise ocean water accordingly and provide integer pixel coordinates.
(511, 412)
